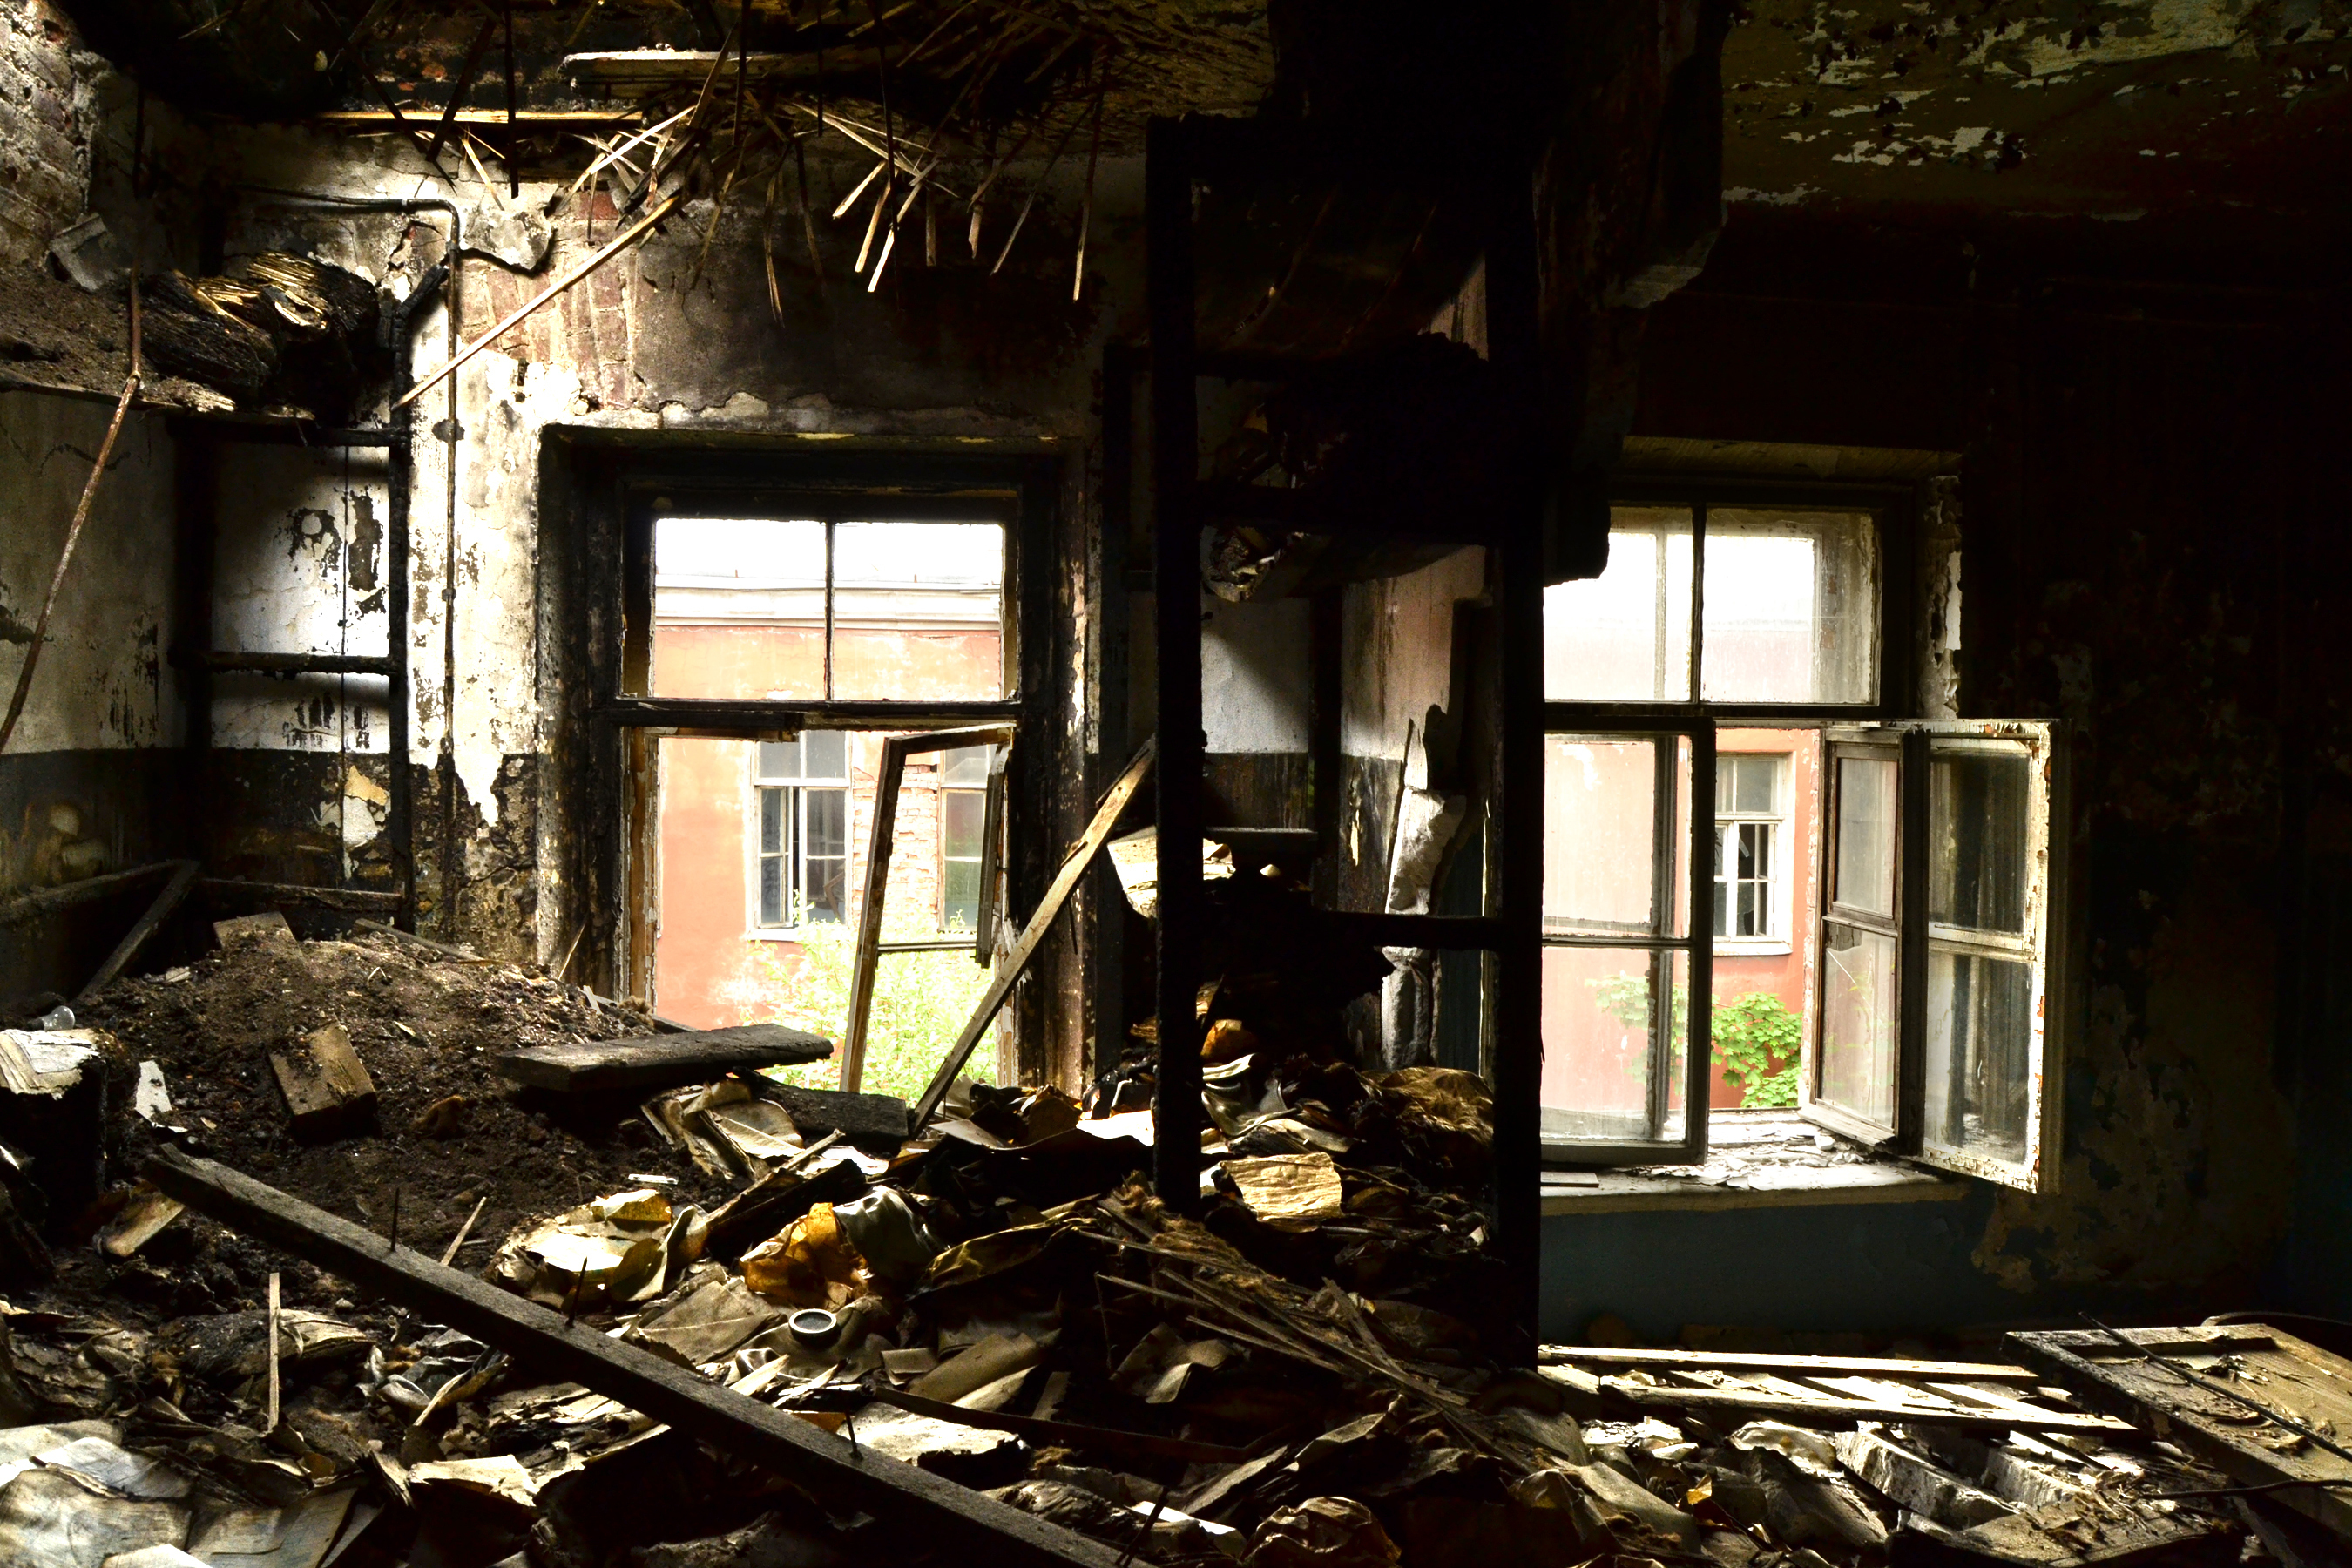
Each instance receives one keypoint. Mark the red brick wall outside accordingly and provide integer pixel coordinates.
(709, 968)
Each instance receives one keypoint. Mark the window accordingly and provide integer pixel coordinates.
(963, 816)
(1752, 837)
(1763, 628)
(785, 608)
(1943, 934)
(800, 807)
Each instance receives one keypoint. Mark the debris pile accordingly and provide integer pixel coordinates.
(993, 1306)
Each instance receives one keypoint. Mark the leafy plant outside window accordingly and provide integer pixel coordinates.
(1749, 1034)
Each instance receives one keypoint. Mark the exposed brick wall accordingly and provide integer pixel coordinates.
(585, 329)
(47, 108)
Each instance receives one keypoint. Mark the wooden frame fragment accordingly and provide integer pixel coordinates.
(835, 1467)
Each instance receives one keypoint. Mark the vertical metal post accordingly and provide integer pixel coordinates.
(1176, 583)
(1325, 699)
(1512, 326)
(1106, 902)
(400, 478)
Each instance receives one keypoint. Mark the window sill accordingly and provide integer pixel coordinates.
(1752, 947)
(1757, 1158)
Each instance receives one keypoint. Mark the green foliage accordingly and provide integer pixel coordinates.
(1749, 1033)
(922, 1001)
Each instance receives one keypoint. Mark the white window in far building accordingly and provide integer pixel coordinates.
(1751, 849)
(801, 831)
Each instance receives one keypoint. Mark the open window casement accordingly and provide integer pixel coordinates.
(1629, 887)
(1940, 939)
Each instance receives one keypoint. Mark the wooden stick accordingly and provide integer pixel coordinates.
(139, 936)
(270, 1425)
(464, 1231)
(464, 84)
(962, 1521)
(1082, 854)
(1043, 176)
(860, 189)
(73, 530)
(1086, 210)
(620, 243)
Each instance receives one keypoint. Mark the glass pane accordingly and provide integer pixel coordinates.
(780, 759)
(828, 822)
(738, 608)
(965, 766)
(962, 814)
(960, 895)
(827, 754)
(1977, 838)
(1860, 1022)
(1599, 834)
(1751, 780)
(1792, 607)
(1625, 634)
(772, 889)
(1866, 823)
(917, 610)
(1599, 1007)
(771, 821)
(1979, 1043)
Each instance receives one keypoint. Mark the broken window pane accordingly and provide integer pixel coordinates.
(918, 611)
(1601, 1017)
(1977, 838)
(1625, 636)
(1979, 1036)
(1792, 607)
(1864, 876)
(1861, 1022)
(738, 608)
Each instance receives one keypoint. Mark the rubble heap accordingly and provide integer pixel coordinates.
(1302, 1373)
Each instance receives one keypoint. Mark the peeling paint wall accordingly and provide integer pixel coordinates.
(675, 341)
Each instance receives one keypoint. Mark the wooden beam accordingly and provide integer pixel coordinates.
(661, 1061)
(980, 1527)
(552, 120)
(45, 900)
(1074, 867)
(1940, 1412)
(1733, 1361)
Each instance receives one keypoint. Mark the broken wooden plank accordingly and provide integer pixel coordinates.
(860, 1118)
(267, 928)
(831, 1467)
(1733, 1361)
(1941, 1411)
(2251, 1451)
(663, 1061)
(182, 879)
(326, 1085)
(1074, 867)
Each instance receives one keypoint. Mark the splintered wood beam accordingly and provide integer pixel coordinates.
(834, 1469)
(662, 1061)
(1074, 868)
(1761, 1361)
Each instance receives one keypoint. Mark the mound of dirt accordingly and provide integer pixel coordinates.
(448, 1131)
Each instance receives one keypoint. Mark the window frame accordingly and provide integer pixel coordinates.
(614, 483)
(1697, 942)
(1780, 935)
(796, 852)
(2043, 944)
